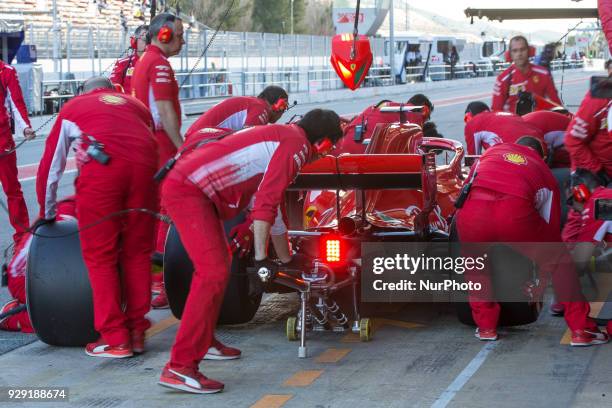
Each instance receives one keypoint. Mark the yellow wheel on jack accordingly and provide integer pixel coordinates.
(291, 329)
(365, 329)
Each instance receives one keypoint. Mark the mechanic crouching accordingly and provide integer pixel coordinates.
(216, 183)
(116, 156)
(239, 112)
(513, 197)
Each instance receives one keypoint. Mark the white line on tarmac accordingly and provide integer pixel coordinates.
(464, 376)
(21, 180)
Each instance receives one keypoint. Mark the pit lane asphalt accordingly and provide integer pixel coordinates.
(431, 359)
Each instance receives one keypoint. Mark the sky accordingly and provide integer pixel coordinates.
(454, 9)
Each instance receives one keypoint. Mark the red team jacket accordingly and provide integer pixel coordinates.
(233, 113)
(553, 125)
(605, 16)
(123, 71)
(592, 230)
(490, 128)
(519, 171)
(154, 80)
(258, 163)
(369, 118)
(118, 121)
(10, 95)
(588, 138)
(536, 80)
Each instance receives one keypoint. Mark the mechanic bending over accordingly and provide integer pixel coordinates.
(123, 70)
(515, 198)
(216, 183)
(154, 84)
(116, 156)
(365, 123)
(484, 128)
(16, 273)
(12, 107)
(520, 77)
(553, 125)
(589, 138)
(239, 112)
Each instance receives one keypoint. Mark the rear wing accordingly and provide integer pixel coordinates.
(374, 172)
(363, 172)
(401, 108)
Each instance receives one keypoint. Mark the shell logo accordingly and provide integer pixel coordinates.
(112, 100)
(515, 158)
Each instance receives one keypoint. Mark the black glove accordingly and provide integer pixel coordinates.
(298, 262)
(41, 221)
(605, 179)
(265, 269)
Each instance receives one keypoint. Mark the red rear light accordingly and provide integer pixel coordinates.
(331, 249)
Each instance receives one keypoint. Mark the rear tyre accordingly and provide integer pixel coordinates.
(58, 291)
(238, 306)
(510, 271)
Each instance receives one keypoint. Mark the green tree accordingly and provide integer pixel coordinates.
(274, 16)
(210, 12)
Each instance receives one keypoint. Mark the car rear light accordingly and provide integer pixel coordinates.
(332, 249)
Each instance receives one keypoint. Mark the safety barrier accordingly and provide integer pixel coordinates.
(222, 83)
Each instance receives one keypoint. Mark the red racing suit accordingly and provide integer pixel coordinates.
(588, 139)
(216, 183)
(11, 97)
(154, 80)
(553, 125)
(591, 229)
(123, 72)
(66, 209)
(490, 128)
(515, 198)
(124, 127)
(233, 113)
(509, 83)
(368, 119)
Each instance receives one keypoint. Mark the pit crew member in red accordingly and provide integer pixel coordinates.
(16, 274)
(522, 76)
(242, 111)
(588, 139)
(515, 198)
(484, 128)
(12, 106)
(154, 83)
(117, 159)
(216, 183)
(553, 125)
(122, 73)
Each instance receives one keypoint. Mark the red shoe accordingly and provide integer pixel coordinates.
(100, 349)
(10, 323)
(138, 342)
(486, 334)
(219, 351)
(160, 301)
(557, 309)
(189, 381)
(609, 328)
(157, 287)
(588, 337)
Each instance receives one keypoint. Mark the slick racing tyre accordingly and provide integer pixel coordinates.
(562, 175)
(58, 292)
(510, 271)
(238, 306)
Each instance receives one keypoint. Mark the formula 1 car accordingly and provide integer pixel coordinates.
(401, 190)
